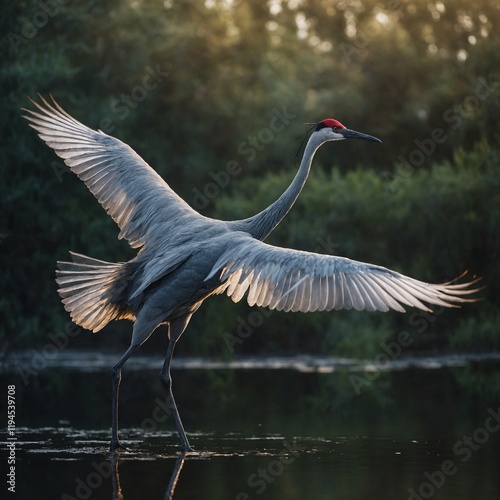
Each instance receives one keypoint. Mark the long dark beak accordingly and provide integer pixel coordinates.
(352, 134)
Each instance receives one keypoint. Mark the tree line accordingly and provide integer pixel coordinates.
(213, 96)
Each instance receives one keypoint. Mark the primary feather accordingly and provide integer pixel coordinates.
(294, 280)
(131, 192)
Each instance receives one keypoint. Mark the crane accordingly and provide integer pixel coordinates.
(185, 257)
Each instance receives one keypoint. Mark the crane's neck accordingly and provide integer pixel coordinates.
(263, 223)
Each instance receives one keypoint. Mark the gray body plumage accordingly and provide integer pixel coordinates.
(185, 257)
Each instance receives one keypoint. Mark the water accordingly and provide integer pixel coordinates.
(272, 428)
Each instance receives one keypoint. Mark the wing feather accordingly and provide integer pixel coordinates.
(366, 301)
(380, 300)
(130, 191)
(293, 280)
(322, 295)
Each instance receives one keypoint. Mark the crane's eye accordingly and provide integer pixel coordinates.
(335, 129)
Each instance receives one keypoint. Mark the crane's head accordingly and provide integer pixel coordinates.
(333, 130)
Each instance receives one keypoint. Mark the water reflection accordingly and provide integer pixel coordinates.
(169, 493)
(264, 433)
(73, 464)
(175, 475)
(117, 489)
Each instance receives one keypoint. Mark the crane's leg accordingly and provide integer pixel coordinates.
(116, 373)
(176, 329)
(142, 331)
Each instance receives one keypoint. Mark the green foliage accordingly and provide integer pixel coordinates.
(422, 76)
(433, 225)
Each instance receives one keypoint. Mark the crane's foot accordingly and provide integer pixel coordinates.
(185, 446)
(116, 446)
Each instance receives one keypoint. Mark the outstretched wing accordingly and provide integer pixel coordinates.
(130, 191)
(293, 280)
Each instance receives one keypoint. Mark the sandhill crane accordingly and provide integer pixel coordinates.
(185, 257)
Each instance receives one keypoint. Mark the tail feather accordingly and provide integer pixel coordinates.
(86, 288)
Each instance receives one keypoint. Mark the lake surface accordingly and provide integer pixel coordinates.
(263, 428)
